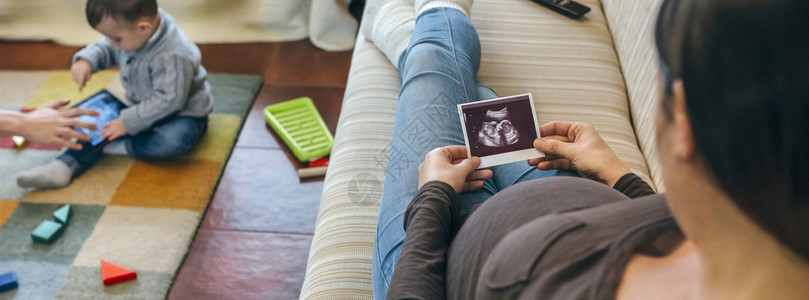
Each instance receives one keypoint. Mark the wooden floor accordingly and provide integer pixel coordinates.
(254, 240)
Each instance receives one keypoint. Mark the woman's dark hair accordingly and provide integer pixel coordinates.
(130, 10)
(745, 68)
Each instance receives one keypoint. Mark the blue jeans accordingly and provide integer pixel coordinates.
(171, 137)
(439, 71)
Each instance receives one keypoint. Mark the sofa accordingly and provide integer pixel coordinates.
(601, 69)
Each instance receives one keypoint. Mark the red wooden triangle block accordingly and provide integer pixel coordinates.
(112, 274)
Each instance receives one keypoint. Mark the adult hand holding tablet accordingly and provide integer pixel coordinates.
(109, 109)
(50, 124)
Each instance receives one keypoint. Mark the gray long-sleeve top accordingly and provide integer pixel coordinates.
(551, 238)
(161, 78)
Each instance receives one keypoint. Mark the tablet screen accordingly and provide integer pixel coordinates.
(109, 109)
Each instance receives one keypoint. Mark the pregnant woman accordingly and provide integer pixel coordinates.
(732, 137)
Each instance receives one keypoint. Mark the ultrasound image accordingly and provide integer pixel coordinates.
(497, 130)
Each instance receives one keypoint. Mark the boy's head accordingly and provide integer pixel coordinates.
(127, 23)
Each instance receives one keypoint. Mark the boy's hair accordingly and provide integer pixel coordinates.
(130, 10)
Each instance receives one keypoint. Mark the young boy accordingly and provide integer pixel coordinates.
(164, 82)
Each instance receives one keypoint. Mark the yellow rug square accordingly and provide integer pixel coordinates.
(143, 239)
(218, 139)
(94, 187)
(6, 209)
(175, 184)
(60, 85)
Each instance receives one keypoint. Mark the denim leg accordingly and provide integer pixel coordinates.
(438, 71)
(516, 172)
(82, 160)
(172, 137)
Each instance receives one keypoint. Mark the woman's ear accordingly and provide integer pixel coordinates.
(683, 148)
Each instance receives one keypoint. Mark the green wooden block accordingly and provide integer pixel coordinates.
(62, 215)
(47, 232)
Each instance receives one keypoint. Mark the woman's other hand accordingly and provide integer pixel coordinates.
(450, 165)
(51, 124)
(577, 146)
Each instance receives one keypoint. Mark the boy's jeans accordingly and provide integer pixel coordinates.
(171, 137)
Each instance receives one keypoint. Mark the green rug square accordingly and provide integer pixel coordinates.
(16, 233)
(230, 90)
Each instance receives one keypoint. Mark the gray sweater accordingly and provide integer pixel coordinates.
(161, 78)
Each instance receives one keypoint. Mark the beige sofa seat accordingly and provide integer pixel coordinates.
(570, 66)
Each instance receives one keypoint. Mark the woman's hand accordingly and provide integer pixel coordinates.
(49, 124)
(449, 164)
(577, 146)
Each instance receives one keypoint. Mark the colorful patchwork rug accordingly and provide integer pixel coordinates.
(141, 215)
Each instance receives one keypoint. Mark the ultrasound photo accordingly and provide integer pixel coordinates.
(497, 130)
(500, 130)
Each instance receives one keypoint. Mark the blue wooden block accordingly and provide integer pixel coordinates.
(47, 232)
(8, 281)
(63, 214)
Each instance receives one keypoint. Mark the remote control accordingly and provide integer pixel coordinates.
(568, 8)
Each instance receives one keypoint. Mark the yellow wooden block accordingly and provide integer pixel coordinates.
(19, 141)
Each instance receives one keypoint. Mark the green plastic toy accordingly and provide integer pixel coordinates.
(301, 127)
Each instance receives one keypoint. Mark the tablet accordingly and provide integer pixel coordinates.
(108, 108)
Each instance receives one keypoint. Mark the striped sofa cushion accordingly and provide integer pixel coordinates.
(632, 26)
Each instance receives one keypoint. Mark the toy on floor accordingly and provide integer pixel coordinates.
(48, 231)
(112, 274)
(62, 215)
(320, 162)
(19, 141)
(8, 281)
(317, 167)
(299, 124)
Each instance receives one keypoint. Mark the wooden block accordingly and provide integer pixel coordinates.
(312, 172)
(62, 215)
(320, 162)
(112, 274)
(8, 281)
(47, 232)
(19, 141)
